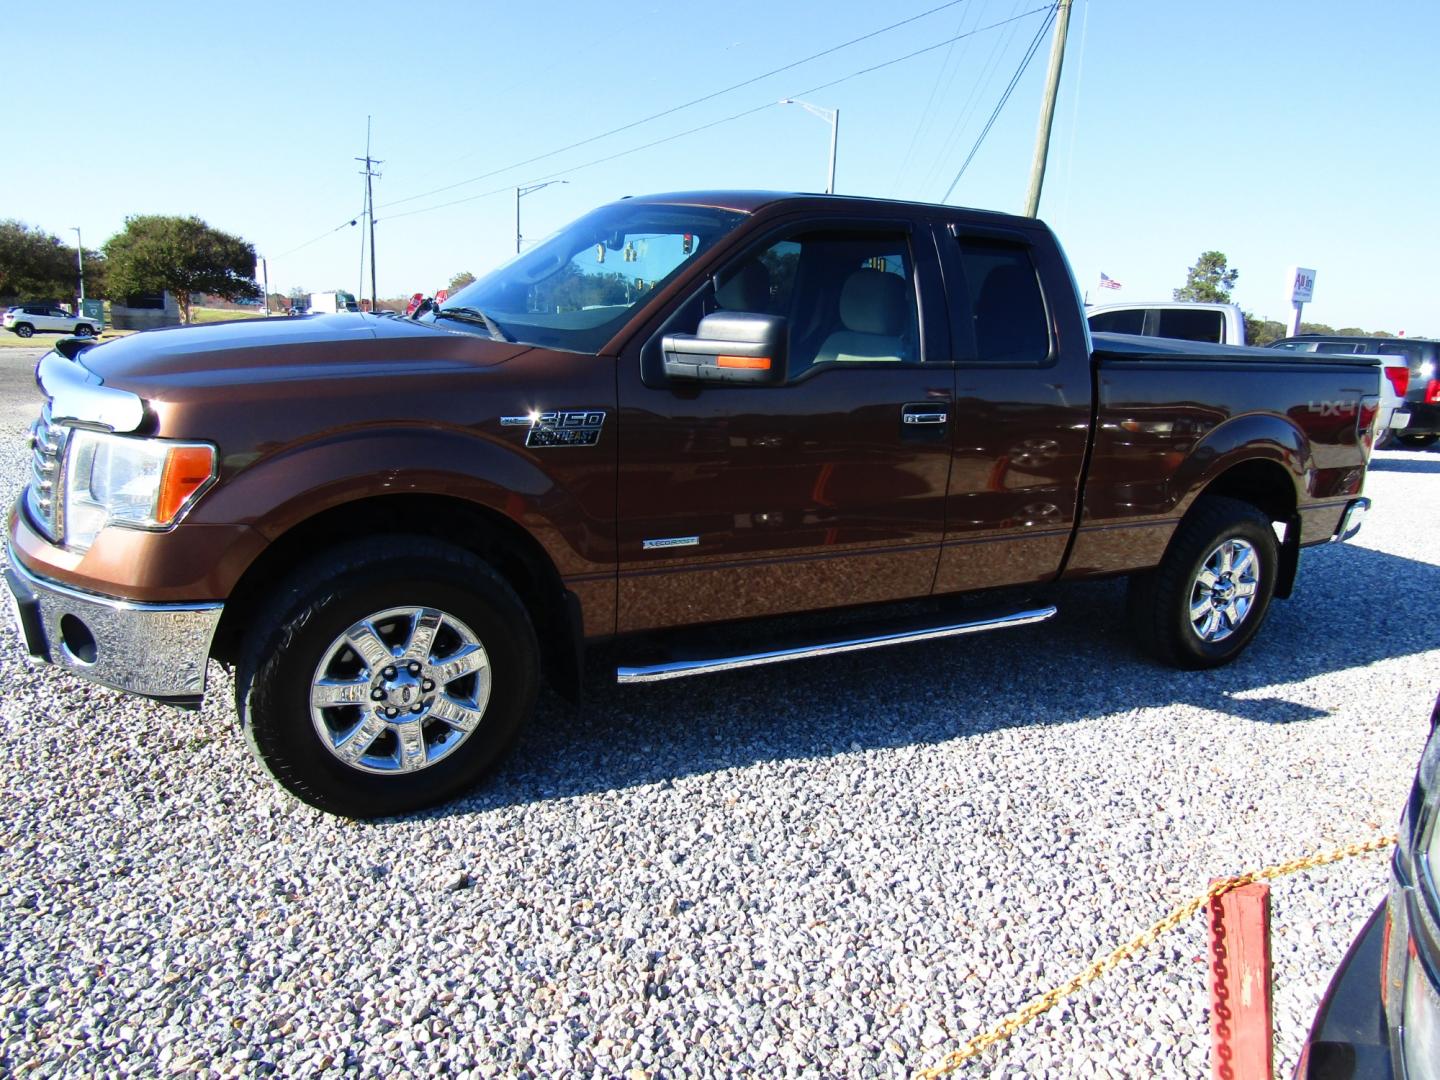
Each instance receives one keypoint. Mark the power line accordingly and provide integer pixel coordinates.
(1014, 80)
(677, 108)
(736, 116)
(315, 240)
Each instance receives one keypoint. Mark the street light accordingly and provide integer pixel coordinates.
(520, 192)
(80, 261)
(830, 116)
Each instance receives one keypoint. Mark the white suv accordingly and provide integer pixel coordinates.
(26, 319)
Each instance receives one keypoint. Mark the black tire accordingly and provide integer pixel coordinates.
(84, 330)
(1161, 601)
(304, 626)
(1417, 441)
(24, 329)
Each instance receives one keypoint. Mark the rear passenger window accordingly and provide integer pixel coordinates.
(1336, 347)
(1192, 325)
(1006, 307)
(1119, 322)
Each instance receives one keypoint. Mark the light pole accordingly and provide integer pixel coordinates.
(521, 192)
(80, 261)
(831, 117)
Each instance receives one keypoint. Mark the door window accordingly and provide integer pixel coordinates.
(1005, 305)
(849, 296)
(1202, 325)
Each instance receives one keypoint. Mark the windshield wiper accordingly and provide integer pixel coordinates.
(474, 315)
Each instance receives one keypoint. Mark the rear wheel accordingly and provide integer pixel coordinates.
(1205, 601)
(24, 330)
(1417, 441)
(387, 677)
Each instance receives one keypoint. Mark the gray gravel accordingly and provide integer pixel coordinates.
(840, 868)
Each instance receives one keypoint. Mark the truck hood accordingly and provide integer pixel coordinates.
(163, 364)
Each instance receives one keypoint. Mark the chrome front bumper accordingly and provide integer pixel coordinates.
(158, 650)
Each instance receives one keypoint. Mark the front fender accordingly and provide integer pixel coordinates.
(566, 504)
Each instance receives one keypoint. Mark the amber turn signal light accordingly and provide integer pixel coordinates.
(187, 470)
(752, 363)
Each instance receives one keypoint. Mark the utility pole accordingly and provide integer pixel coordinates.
(80, 261)
(370, 174)
(1047, 110)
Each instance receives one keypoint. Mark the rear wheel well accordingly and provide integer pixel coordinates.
(1267, 486)
(510, 550)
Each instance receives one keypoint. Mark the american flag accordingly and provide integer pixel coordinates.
(1108, 282)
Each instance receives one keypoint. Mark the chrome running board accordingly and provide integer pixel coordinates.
(679, 669)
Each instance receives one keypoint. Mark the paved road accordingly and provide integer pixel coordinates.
(838, 868)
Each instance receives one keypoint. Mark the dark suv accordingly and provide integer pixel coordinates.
(1422, 396)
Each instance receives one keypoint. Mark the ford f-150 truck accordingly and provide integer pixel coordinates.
(680, 412)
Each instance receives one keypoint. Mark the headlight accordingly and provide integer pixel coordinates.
(137, 483)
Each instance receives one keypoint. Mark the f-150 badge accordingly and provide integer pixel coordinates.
(562, 428)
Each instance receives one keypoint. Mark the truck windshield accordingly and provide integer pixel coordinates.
(575, 290)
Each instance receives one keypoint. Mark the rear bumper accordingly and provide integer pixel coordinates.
(157, 650)
(1352, 519)
(1424, 418)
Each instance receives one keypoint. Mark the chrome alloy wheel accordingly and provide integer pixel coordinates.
(1224, 590)
(400, 690)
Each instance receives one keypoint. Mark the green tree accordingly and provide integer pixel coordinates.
(36, 265)
(460, 280)
(180, 254)
(1316, 328)
(1260, 331)
(1209, 280)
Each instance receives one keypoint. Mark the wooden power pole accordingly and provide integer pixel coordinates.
(1047, 110)
(370, 175)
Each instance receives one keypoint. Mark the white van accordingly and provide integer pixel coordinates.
(1222, 324)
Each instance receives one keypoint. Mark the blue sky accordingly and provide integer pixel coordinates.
(1278, 132)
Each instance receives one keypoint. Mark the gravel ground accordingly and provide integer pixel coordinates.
(838, 868)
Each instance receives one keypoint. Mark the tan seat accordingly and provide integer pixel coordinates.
(873, 310)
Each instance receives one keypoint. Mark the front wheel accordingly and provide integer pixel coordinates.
(84, 331)
(1418, 441)
(1205, 601)
(387, 677)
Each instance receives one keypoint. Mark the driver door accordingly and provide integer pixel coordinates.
(823, 491)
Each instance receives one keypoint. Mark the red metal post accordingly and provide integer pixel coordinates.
(1242, 1025)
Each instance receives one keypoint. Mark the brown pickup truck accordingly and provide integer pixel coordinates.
(680, 412)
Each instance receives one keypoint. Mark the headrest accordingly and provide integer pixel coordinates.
(873, 302)
(748, 290)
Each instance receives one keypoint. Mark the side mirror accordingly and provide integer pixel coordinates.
(730, 347)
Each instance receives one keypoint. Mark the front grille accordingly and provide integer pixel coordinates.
(42, 496)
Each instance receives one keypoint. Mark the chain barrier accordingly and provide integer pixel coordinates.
(1043, 1003)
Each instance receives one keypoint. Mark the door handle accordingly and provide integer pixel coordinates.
(925, 417)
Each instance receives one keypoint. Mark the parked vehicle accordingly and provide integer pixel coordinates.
(1422, 395)
(1221, 324)
(1380, 1016)
(26, 320)
(329, 303)
(676, 414)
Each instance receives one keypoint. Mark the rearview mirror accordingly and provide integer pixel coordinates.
(730, 347)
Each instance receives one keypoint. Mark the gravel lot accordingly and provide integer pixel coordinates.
(837, 868)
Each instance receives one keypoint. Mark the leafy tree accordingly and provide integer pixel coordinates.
(1316, 328)
(36, 265)
(460, 280)
(180, 254)
(1209, 280)
(1260, 331)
